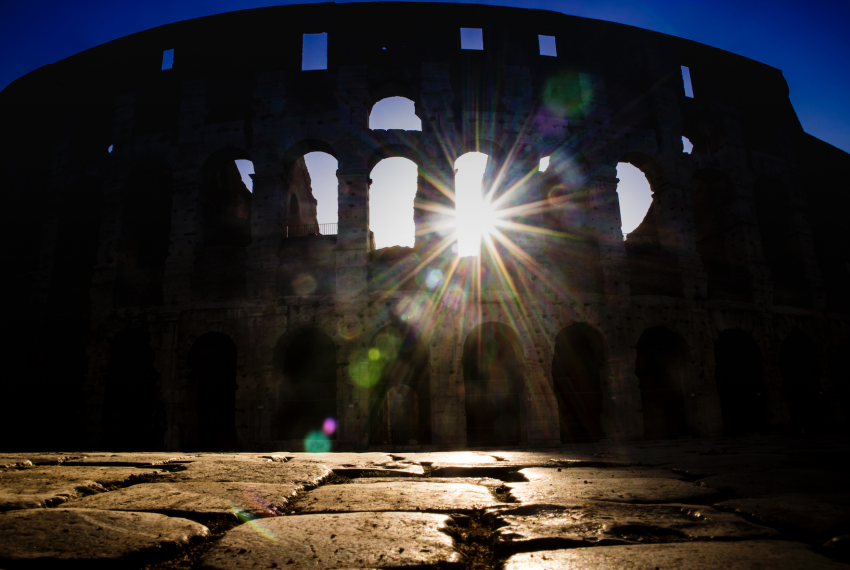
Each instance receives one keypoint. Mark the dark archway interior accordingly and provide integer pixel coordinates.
(133, 412)
(226, 206)
(212, 376)
(400, 399)
(577, 376)
(738, 375)
(660, 366)
(307, 396)
(801, 371)
(492, 373)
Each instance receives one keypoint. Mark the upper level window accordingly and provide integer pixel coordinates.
(686, 77)
(472, 38)
(395, 113)
(314, 52)
(167, 59)
(547, 45)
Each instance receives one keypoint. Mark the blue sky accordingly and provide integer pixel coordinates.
(807, 40)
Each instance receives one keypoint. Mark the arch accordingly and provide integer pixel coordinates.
(494, 381)
(212, 385)
(801, 376)
(578, 366)
(225, 200)
(400, 399)
(394, 151)
(649, 166)
(133, 411)
(394, 112)
(738, 375)
(303, 147)
(778, 241)
(661, 368)
(309, 175)
(307, 393)
(713, 198)
(392, 192)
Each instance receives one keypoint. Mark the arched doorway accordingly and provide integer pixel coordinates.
(212, 378)
(577, 369)
(493, 378)
(801, 371)
(400, 400)
(738, 375)
(307, 392)
(661, 366)
(133, 412)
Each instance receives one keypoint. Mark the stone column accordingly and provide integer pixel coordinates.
(268, 220)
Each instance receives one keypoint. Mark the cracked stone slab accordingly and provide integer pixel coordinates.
(744, 555)
(19, 460)
(137, 459)
(588, 522)
(407, 496)
(249, 469)
(548, 485)
(813, 513)
(41, 487)
(38, 537)
(349, 540)
(225, 500)
(778, 481)
(597, 473)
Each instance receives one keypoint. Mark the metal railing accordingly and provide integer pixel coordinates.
(307, 230)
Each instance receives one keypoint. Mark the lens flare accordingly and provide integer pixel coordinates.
(329, 426)
(317, 442)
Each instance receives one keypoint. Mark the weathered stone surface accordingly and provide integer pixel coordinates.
(49, 535)
(812, 513)
(597, 474)
(355, 540)
(407, 496)
(591, 521)
(207, 498)
(562, 487)
(761, 483)
(50, 486)
(250, 469)
(16, 460)
(744, 555)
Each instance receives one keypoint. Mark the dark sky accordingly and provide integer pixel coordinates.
(808, 40)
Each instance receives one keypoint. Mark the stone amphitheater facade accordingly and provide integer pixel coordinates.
(157, 304)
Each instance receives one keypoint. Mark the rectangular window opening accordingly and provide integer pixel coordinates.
(547, 45)
(314, 52)
(686, 77)
(167, 59)
(472, 38)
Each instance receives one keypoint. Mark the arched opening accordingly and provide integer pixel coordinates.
(395, 113)
(313, 195)
(400, 399)
(307, 397)
(577, 369)
(780, 243)
(654, 270)
(225, 228)
(493, 379)
(473, 209)
(661, 368)
(146, 233)
(801, 377)
(133, 412)
(713, 198)
(738, 375)
(212, 381)
(391, 196)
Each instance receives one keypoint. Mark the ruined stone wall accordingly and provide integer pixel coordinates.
(739, 238)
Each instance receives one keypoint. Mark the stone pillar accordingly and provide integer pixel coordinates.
(268, 221)
(435, 186)
(606, 226)
(674, 216)
(186, 236)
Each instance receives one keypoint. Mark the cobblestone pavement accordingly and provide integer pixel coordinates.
(726, 503)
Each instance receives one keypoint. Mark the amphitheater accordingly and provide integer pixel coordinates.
(159, 303)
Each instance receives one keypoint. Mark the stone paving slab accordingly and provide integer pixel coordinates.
(351, 540)
(17, 460)
(126, 459)
(814, 513)
(562, 487)
(40, 487)
(35, 538)
(249, 470)
(408, 496)
(779, 481)
(591, 521)
(745, 555)
(226, 500)
(597, 474)
(484, 481)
